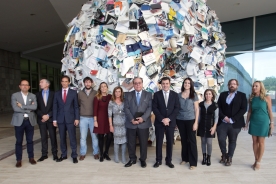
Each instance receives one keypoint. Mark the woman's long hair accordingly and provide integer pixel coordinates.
(99, 93)
(262, 91)
(213, 93)
(113, 98)
(192, 89)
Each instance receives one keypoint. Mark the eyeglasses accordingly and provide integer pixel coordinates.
(136, 83)
(24, 84)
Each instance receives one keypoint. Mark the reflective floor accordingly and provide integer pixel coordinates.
(92, 171)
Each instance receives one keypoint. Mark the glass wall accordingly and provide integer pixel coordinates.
(251, 53)
(34, 71)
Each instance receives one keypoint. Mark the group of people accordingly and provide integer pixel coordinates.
(124, 116)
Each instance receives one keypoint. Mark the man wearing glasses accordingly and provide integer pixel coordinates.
(24, 104)
(138, 110)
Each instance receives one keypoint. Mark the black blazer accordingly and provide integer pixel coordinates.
(238, 110)
(41, 109)
(161, 111)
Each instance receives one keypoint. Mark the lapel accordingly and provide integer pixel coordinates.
(161, 94)
(68, 95)
(143, 96)
(20, 98)
(234, 101)
(134, 97)
(41, 98)
(28, 99)
(169, 99)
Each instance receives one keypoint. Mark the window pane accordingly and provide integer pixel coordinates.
(239, 35)
(52, 86)
(33, 67)
(43, 68)
(25, 76)
(265, 71)
(35, 86)
(50, 70)
(239, 67)
(265, 32)
(24, 64)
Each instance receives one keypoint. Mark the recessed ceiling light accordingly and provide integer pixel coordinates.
(238, 4)
(32, 14)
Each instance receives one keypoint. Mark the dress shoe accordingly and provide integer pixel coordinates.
(18, 164)
(82, 157)
(61, 158)
(105, 155)
(143, 164)
(55, 158)
(101, 158)
(75, 160)
(157, 164)
(223, 158)
(129, 164)
(228, 161)
(96, 157)
(170, 165)
(42, 158)
(32, 161)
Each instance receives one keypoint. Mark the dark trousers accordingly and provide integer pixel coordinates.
(143, 135)
(225, 130)
(19, 135)
(71, 129)
(159, 133)
(108, 141)
(44, 129)
(188, 141)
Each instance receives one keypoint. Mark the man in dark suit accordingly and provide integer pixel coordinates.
(66, 115)
(165, 106)
(137, 107)
(232, 106)
(44, 113)
(23, 119)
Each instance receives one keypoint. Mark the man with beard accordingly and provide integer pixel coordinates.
(86, 98)
(232, 106)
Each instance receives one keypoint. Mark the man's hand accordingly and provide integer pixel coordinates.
(134, 122)
(19, 104)
(45, 118)
(226, 119)
(55, 124)
(76, 122)
(140, 120)
(166, 121)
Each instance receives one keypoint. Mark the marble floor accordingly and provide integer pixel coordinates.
(92, 171)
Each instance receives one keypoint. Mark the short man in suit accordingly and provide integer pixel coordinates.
(24, 104)
(66, 116)
(86, 99)
(137, 107)
(232, 106)
(165, 106)
(44, 113)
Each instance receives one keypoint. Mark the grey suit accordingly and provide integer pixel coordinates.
(142, 129)
(24, 125)
(28, 108)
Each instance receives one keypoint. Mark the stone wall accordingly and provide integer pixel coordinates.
(9, 78)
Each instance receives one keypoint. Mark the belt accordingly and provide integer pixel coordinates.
(26, 118)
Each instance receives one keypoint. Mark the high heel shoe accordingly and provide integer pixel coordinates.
(105, 155)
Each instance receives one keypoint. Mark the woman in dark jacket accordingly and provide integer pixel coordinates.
(208, 113)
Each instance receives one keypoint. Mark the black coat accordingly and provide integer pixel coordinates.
(207, 120)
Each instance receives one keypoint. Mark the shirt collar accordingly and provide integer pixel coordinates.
(24, 94)
(166, 91)
(234, 92)
(65, 89)
(140, 92)
(45, 91)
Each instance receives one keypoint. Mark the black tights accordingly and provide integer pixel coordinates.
(107, 142)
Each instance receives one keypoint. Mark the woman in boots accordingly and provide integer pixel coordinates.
(117, 120)
(101, 126)
(208, 118)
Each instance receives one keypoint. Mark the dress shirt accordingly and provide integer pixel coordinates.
(25, 102)
(47, 94)
(228, 101)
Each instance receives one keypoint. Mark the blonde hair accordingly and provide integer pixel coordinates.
(99, 93)
(262, 91)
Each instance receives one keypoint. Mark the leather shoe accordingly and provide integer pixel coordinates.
(143, 164)
(130, 163)
(55, 158)
(75, 160)
(170, 165)
(32, 161)
(157, 164)
(105, 155)
(61, 158)
(96, 157)
(18, 164)
(42, 158)
(82, 157)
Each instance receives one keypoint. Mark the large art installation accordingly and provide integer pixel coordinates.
(115, 41)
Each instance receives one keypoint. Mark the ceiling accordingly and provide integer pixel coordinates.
(36, 28)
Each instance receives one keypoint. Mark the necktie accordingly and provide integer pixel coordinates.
(64, 96)
(138, 98)
(166, 98)
(45, 98)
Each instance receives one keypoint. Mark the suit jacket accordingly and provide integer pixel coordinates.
(238, 110)
(131, 107)
(42, 109)
(68, 111)
(161, 111)
(28, 108)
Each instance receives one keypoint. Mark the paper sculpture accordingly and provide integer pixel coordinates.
(115, 41)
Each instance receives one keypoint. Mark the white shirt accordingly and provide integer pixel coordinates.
(167, 93)
(25, 102)
(62, 92)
